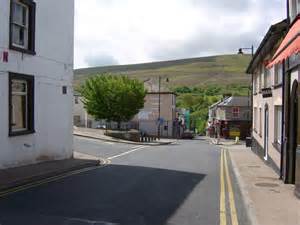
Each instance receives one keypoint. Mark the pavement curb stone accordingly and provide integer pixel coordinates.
(39, 177)
(247, 201)
(122, 141)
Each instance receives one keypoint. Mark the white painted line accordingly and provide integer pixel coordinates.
(128, 152)
(108, 143)
(138, 146)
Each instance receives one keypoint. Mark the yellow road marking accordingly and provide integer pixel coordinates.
(222, 192)
(233, 214)
(68, 174)
(50, 179)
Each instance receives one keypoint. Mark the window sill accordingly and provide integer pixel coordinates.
(275, 86)
(20, 133)
(22, 50)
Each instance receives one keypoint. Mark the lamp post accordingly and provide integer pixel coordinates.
(240, 52)
(251, 48)
(159, 100)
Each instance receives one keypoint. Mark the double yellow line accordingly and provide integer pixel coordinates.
(104, 162)
(225, 181)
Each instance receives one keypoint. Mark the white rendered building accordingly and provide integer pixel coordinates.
(36, 73)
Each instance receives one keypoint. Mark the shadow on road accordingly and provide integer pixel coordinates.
(115, 194)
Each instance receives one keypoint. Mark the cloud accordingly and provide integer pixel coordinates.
(100, 60)
(134, 31)
(228, 5)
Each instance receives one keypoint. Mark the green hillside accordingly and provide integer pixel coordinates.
(196, 72)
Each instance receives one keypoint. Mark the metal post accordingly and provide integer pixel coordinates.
(158, 129)
(86, 120)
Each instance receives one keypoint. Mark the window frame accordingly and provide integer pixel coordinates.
(277, 74)
(260, 79)
(278, 124)
(267, 77)
(255, 119)
(31, 27)
(254, 84)
(260, 122)
(29, 104)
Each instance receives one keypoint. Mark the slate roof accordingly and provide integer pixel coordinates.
(236, 101)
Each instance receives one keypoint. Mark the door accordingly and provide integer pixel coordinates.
(293, 133)
(266, 135)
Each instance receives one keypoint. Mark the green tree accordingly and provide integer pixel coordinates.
(113, 97)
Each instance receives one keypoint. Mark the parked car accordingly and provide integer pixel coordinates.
(188, 135)
(102, 126)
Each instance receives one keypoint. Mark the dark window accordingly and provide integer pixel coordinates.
(21, 104)
(64, 90)
(278, 73)
(236, 112)
(22, 26)
(76, 100)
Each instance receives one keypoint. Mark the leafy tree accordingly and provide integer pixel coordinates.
(114, 98)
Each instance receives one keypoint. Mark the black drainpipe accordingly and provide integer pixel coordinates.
(283, 122)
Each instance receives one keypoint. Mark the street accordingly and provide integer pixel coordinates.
(173, 184)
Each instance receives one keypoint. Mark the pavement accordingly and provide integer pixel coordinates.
(268, 200)
(176, 184)
(19, 176)
(99, 134)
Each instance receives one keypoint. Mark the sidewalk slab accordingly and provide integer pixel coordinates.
(99, 134)
(268, 199)
(18, 176)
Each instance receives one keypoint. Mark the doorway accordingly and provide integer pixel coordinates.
(293, 130)
(266, 134)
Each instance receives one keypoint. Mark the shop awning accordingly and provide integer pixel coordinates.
(289, 46)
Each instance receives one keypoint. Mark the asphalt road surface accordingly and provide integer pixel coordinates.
(178, 184)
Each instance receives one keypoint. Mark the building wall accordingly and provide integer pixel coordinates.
(147, 117)
(259, 103)
(226, 113)
(80, 116)
(79, 112)
(52, 67)
(294, 9)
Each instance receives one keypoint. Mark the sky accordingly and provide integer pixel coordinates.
(116, 32)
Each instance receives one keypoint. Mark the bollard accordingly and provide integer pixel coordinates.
(237, 140)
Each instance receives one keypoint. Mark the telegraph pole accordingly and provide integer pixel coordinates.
(158, 129)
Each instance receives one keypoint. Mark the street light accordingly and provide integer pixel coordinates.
(240, 52)
(159, 119)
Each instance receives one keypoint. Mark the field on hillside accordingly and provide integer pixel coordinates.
(198, 82)
(221, 70)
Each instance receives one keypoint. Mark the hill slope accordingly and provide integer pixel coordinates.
(222, 70)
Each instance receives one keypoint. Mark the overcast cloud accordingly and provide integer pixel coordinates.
(109, 32)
